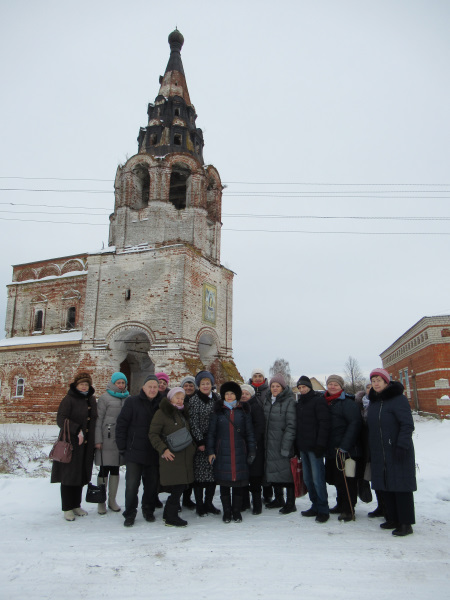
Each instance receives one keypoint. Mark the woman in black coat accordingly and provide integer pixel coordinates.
(256, 471)
(231, 448)
(80, 408)
(392, 451)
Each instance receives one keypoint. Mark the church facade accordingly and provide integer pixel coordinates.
(157, 299)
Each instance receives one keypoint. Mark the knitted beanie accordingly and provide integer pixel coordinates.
(162, 375)
(118, 375)
(337, 379)
(248, 388)
(174, 391)
(258, 370)
(204, 375)
(382, 373)
(278, 378)
(188, 379)
(305, 381)
(151, 378)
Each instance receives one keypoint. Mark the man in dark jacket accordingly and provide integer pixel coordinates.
(313, 425)
(141, 459)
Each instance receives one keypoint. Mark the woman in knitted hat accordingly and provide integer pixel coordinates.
(107, 455)
(201, 406)
(175, 468)
(393, 463)
(189, 387)
(256, 469)
(79, 406)
(343, 443)
(163, 380)
(231, 448)
(279, 412)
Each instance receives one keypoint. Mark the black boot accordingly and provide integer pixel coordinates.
(187, 502)
(199, 505)
(245, 499)
(278, 501)
(267, 493)
(237, 505)
(226, 505)
(402, 530)
(209, 495)
(257, 504)
(290, 502)
(171, 514)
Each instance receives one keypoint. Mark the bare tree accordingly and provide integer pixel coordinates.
(354, 378)
(281, 366)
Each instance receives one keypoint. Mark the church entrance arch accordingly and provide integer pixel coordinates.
(131, 346)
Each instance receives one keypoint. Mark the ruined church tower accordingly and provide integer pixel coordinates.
(157, 299)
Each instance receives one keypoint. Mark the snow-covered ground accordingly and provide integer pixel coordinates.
(267, 556)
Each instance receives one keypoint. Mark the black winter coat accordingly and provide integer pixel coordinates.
(345, 427)
(132, 428)
(390, 426)
(279, 436)
(81, 411)
(259, 425)
(260, 391)
(313, 422)
(231, 439)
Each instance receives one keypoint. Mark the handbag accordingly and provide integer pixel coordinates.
(364, 491)
(179, 439)
(62, 448)
(96, 493)
(297, 475)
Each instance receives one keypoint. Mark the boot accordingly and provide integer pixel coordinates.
(170, 514)
(278, 501)
(257, 504)
(209, 495)
(290, 502)
(112, 492)
(187, 502)
(267, 493)
(101, 508)
(402, 530)
(69, 515)
(79, 512)
(200, 507)
(226, 505)
(245, 499)
(237, 505)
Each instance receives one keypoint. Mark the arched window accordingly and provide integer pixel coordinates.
(71, 317)
(20, 387)
(38, 320)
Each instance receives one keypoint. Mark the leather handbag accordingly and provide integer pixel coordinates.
(297, 476)
(96, 493)
(62, 448)
(179, 439)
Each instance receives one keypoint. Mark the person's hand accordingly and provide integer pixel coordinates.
(99, 446)
(211, 458)
(201, 448)
(168, 455)
(80, 437)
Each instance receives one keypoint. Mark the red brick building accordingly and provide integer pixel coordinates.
(420, 359)
(157, 299)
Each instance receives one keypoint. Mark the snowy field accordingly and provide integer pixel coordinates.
(267, 556)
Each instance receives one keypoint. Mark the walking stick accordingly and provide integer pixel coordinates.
(339, 453)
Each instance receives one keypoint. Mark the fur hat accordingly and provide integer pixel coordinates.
(118, 375)
(82, 377)
(175, 390)
(258, 370)
(162, 375)
(188, 379)
(337, 379)
(305, 381)
(151, 378)
(248, 388)
(382, 373)
(278, 378)
(230, 386)
(204, 375)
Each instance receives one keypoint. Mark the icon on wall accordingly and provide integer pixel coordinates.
(209, 303)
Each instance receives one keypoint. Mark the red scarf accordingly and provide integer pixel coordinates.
(258, 384)
(329, 398)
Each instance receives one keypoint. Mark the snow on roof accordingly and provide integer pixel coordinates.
(70, 274)
(73, 336)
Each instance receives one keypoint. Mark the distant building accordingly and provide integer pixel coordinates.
(420, 359)
(156, 299)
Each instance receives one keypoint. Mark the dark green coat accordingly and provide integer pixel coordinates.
(280, 432)
(82, 414)
(167, 420)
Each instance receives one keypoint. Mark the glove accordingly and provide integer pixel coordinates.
(400, 453)
(319, 451)
(251, 458)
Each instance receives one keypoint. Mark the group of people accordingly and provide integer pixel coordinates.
(241, 439)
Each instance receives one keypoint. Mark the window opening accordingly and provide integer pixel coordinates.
(177, 139)
(178, 188)
(71, 316)
(38, 320)
(20, 387)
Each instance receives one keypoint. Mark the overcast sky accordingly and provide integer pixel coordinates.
(325, 108)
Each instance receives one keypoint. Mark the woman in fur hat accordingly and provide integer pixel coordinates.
(231, 448)
(79, 406)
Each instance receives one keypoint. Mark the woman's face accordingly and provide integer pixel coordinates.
(83, 386)
(333, 388)
(189, 388)
(205, 386)
(177, 399)
(275, 389)
(120, 383)
(258, 378)
(230, 396)
(162, 385)
(378, 383)
(245, 396)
